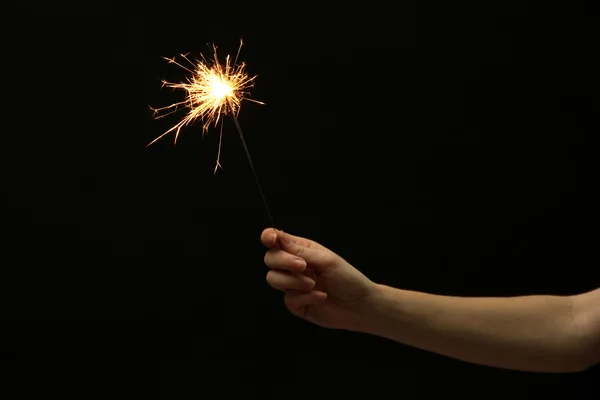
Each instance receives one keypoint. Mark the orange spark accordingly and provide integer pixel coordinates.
(213, 90)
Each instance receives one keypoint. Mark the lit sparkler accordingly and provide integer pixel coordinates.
(213, 91)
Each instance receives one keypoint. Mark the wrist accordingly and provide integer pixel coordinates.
(372, 309)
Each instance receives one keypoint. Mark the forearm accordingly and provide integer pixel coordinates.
(531, 333)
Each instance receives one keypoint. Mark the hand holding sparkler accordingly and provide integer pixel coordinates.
(213, 90)
(319, 285)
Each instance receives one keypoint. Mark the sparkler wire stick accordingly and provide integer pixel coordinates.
(214, 90)
(262, 195)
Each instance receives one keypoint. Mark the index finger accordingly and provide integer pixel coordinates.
(269, 239)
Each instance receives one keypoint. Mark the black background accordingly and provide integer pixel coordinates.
(442, 148)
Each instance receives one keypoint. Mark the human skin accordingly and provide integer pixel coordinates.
(528, 333)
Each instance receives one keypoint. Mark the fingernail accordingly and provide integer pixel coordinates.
(284, 238)
(309, 282)
(300, 263)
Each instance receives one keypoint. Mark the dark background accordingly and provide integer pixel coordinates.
(442, 148)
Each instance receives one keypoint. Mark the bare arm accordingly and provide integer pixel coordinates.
(587, 315)
(529, 333)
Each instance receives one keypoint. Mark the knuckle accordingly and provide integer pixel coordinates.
(329, 258)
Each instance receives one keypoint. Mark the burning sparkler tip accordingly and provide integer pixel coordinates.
(213, 89)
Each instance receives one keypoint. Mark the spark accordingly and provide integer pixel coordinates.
(213, 90)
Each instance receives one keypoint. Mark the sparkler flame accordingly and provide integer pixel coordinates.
(213, 90)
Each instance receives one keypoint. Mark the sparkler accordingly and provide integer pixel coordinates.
(213, 91)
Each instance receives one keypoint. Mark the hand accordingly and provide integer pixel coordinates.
(319, 285)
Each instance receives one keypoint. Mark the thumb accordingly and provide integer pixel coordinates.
(289, 244)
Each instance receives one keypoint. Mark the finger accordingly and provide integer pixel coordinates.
(297, 302)
(279, 259)
(270, 235)
(312, 254)
(269, 238)
(284, 281)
